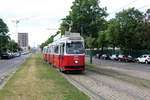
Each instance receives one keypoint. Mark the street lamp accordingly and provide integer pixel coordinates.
(17, 21)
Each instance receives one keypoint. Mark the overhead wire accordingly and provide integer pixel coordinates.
(144, 6)
(133, 1)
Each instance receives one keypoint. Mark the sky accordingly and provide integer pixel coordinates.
(42, 18)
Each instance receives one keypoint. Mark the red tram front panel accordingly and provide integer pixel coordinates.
(72, 62)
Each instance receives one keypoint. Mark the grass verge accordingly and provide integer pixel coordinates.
(34, 80)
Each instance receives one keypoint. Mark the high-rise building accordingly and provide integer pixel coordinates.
(23, 41)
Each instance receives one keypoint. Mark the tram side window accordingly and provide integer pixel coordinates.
(56, 50)
(49, 51)
(62, 49)
(46, 51)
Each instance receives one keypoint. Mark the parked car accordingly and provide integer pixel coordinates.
(5, 55)
(105, 56)
(17, 54)
(25, 53)
(97, 56)
(114, 57)
(11, 54)
(144, 59)
(129, 59)
(125, 58)
(121, 57)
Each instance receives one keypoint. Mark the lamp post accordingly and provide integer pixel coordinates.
(17, 21)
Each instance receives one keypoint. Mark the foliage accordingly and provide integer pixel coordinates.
(143, 31)
(127, 21)
(90, 42)
(4, 37)
(87, 18)
(50, 40)
(129, 30)
(13, 46)
(64, 26)
(112, 33)
(102, 39)
(143, 35)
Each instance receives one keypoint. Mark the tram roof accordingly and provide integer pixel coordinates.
(67, 37)
(71, 37)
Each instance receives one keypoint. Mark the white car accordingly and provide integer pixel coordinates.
(144, 59)
(114, 57)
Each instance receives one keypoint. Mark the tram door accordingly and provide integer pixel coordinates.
(61, 55)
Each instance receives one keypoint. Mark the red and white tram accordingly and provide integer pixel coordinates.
(45, 51)
(66, 52)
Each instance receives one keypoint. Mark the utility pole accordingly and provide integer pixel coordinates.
(17, 21)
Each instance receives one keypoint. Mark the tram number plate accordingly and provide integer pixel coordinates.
(76, 58)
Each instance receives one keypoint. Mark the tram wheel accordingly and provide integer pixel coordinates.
(61, 70)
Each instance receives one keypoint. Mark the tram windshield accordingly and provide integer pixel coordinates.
(75, 48)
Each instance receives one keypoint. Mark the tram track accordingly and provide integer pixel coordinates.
(108, 84)
(116, 87)
(95, 85)
(84, 88)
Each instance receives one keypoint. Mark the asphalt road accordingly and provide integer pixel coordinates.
(131, 66)
(7, 65)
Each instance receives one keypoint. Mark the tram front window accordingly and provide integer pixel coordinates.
(75, 48)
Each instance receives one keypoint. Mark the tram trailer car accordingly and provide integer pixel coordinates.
(67, 52)
(45, 53)
(50, 53)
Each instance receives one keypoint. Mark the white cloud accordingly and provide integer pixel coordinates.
(114, 6)
(42, 14)
(38, 14)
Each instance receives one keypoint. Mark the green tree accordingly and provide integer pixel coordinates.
(102, 40)
(4, 37)
(87, 18)
(13, 46)
(90, 42)
(112, 33)
(128, 21)
(143, 35)
(64, 26)
(143, 32)
(48, 41)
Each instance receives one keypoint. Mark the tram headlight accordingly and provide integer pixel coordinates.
(75, 61)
